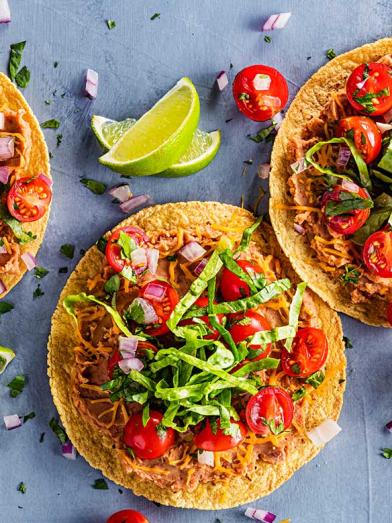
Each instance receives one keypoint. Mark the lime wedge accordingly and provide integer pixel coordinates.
(200, 153)
(6, 356)
(107, 131)
(160, 137)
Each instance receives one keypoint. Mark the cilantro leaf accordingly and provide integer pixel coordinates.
(330, 54)
(5, 307)
(387, 453)
(113, 284)
(40, 272)
(100, 484)
(58, 430)
(111, 24)
(155, 15)
(22, 77)
(30, 415)
(265, 134)
(299, 394)
(68, 250)
(347, 342)
(17, 385)
(50, 124)
(93, 185)
(38, 292)
(315, 379)
(21, 488)
(16, 52)
(351, 275)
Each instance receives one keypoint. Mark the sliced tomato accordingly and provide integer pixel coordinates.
(350, 221)
(365, 133)
(308, 353)
(163, 306)
(214, 334)
(127, 516)
(113, 250)
(214, 439)
(270, 411)
(377, 253)
(260, 92)
(247, 324)
(389, 312)
(231, 286)
(29, 199)
(369, 88)
(151, 441)
(113, 362)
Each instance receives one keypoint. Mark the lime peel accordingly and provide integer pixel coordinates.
(6, 356)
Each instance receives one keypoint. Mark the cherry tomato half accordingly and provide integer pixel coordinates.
(350, 221)
(369, 88)
(127, 516)
(366, 135)
(163, 307)
(113, 250)
(231, 286)
(270, 411)
(151, 441)
(29, 199)
(260, 92)
(308, 353)
(216, 440)
(377, 253)
(214, 334)
(245, 325)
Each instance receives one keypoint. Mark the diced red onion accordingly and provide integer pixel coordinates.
(46, 179)
(91, 86)
(135, 202)
(150, 316)
(5, 13)
(139, 260)
(29, 261)
(4, 174)
(152, 260)
(154, 292)
(260, 515)
(350, 186)
(384, 127)
(7, 148)
(278, 21)
(192, 251)
(388, 426)
(200, 266)
(130, 364)
(261, 82)
(299, 166)
(271, 101)
(343, 156)
(2, 120)
(3, 288)
(3, 249)
(387, 116)
(277, 120)
(263, 170)
(298, 228)
(13, 421)
(127, 346)
(68, 451)
(206, 457)
(359, 85)
(122, 193)
(222, 80)
(324, 432)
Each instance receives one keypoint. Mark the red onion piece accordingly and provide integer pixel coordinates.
(299, 166)
(388, 426)
(263, 170)
(122, 193)
(13, 421)
(4, 174)
(5, 13)
(343, 156)
(260, 515)
(155, 292)
(200, 266)
(298, 228)
(206, 457)
(29, 260)
(268, 24)
(91, 86)
(192, 251)
(359, 85)
(384, 127)
(130, 364)
(387, 116)
(139, 260)
(3, 249)
(152, 260)
(2, 120)
(68, 451)
(7, 148)
(277, 120)
(3, 288)
(135, 202)
(277, 21)
(150, 316)
(350, 186)
(324, 432)
(222, 80)
(127, 346)
(46, 179)
(261, 82)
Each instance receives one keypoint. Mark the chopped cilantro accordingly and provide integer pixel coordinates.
(50, 155)
(273, 426)
(367, 99)
(363, 139)
(228, 120)
(17, 385)
(267, 39)
(48, 102)
(299, 394)
(171, 257)
(68, 250)
(315, 379)
(58, 430)
(308, 58)
(50, 124)
(155, 15)
(22, 77)
(30, 415)
(55, 64)
(16, 51)
(100, 484)
(93, 186)
(40, 272)
(127, 245)
(101, 244)
(113, 284)
(266, 133)
(63, 270)
(5, 307)
(330, 54)
(347, 342)
(296, 368)
(248, 162)
(387, 453)
(38, 292)
(243, 96)
(111, 24)
(59, 139)
(22, 488)
(42, 437)
(351, 275)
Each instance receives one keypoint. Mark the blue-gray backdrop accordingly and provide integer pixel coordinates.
(139, 61)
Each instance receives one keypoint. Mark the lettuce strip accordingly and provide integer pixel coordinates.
(253, 366)
(247, 235)
(295, 309)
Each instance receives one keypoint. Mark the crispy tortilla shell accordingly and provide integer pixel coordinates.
(37, 163)
(309, 102)
(96, 447)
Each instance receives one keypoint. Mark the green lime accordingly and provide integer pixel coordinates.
(107, 131)
(160, 137)
(6, 356)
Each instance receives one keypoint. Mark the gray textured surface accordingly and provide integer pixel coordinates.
(137, 62)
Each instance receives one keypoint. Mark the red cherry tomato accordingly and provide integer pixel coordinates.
(29, 199)
(163, 308)
(216, 440)
(308, 353)
(367, 136)
(113, 250)
(113, 362)
(369, 88)
(377, 253)
(151, 441)
(270, 411)
(127, 516)
(203, 302)
(389, 312)
(350, 221)
(246, 325)
(231, 286)
(260, 92)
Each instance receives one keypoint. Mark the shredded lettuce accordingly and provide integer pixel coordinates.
(253, 366)
(20, 234)
(276, 334)
(295, 309)
(247, 235)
